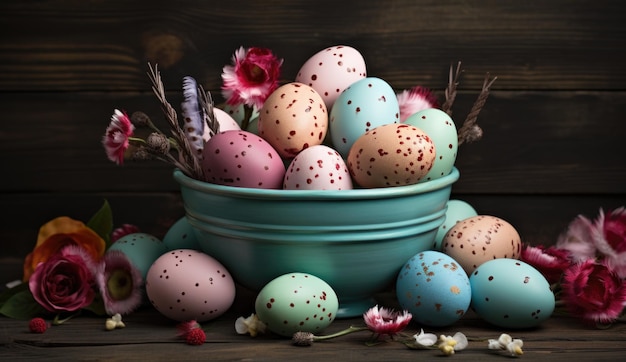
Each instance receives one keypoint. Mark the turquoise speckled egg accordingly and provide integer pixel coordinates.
(181, 236)
(441, 129)
(363, 106)
(296, 302)
(434, 288)
(141, 249)
(457, 210)
(509, 293)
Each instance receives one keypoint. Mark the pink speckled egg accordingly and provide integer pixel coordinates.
(293, 118)
(390, 155)
(317, 168)
(186, 284)
(242, 159)
(480, 238)
(332, 70)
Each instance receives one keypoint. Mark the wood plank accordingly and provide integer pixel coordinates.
(105, 45)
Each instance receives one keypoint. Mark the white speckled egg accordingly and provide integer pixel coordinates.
(391, 155)
(181, 236)
(456, 211)
(442, 130)
(332, 70)
(317, 168)
(363, 106)
(242, 159)
(509, 293)
(480, 238)
(293, 118)
(434, 289)
(296, 302)
(226, 122)
(186, 284)
(141, 249)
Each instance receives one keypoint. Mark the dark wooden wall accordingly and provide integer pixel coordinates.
(554, 124)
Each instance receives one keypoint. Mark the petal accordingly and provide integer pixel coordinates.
(461, 341)
(425, 339)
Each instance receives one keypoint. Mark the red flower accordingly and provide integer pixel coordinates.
(609, 236)
(195, 337)
(252, 77)
(115, 139)
(37, 325)
(594, 292)
(65, 281)
(549, 261)
(415, 100)
(123, 230)
(386, 321)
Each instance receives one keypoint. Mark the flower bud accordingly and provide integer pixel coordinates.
(158, 142)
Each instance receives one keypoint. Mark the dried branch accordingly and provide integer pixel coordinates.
(206, 103)
(450, 92)
(470, 131)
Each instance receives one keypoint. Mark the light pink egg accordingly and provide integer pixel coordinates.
(186, 284)
(481, 238)
(332, 70)
(317, 168)
(242, 159)
(293, 118)
(394, 154)
(227, 123)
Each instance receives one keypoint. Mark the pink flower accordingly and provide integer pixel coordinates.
(609, 237)
(252, 78)
(386, 321)
(577, 239)
(65, 281)
(115, 139)
(594, 292)
(415, 100)
(125, 229)
(549, 261)
(119, 283)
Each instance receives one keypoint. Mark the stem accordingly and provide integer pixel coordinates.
(349, 330)
(247, 114)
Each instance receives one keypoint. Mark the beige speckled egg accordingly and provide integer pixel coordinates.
(293, 118)
(477, 239)
(390, 155)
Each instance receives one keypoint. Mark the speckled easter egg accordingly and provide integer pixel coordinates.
(332, 70)
(296, 302)
(186, 284)
(226, 122)
(481, 238)
(181, 236)
(391, 155)
(317, 168)
(293, 118)
(141, 249)
(509, 293)
(242, 159)
(434, 289)
(363, 106)
(442, 131)
(456, 210)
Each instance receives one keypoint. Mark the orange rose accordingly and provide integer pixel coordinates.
(56, 234)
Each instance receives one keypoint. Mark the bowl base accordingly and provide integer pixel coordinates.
(354, 307)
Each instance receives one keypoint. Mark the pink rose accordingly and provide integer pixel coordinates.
(594, 292)
(65, 282)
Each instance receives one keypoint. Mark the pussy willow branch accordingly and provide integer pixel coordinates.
(470, 131)
(186, 154)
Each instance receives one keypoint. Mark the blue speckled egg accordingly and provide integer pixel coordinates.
(456, 211)
(434, 288)
(141, 249)
(363, 106)
(181, 236)
(296, 302)
(509, 293)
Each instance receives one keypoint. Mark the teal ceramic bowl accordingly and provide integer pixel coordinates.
(355, 240)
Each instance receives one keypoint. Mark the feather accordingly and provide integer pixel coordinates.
(193, 116)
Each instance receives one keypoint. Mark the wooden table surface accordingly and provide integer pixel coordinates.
(150, 336)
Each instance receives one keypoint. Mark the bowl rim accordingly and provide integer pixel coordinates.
(286, 195)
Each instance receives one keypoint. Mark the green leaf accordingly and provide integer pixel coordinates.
(21, 305)
(102, 223)
(8, 293)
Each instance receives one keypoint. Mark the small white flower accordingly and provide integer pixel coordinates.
(114, 322)
(506, 342)
(251, 325)
(448, 345)
(425, 339)
(515, 347)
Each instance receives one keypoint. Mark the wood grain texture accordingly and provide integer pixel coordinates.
(553, 141)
